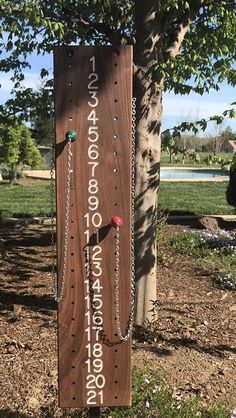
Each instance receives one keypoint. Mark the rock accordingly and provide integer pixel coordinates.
(209, 223)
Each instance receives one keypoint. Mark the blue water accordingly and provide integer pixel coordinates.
(191, 174)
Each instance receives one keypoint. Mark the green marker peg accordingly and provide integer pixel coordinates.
(71, 135)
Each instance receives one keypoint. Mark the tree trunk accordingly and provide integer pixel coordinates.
(12, 174)
(148, 92)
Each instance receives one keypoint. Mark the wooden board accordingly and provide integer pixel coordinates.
(93, 94)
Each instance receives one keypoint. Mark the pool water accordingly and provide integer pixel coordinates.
(169, 174)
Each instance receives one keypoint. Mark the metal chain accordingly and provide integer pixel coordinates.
(117, 247)
(52, 212)
(58, 295)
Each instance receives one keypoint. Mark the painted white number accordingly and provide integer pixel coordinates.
(93, 95)
(93, 219)
(92, 116)
(97, 220)
(97, 249)
(92, 59)
(91, 395)
(93, 77)
(93, 152)
(97, 298)
(97, 318)
(97, 286)
(95, 381)
(94, 164)
(93, 131)
(93, 202)
(93, 186)
(97, 271)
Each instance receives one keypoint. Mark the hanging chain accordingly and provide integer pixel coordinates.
(117, 247)
(52, 214)
(58, 295)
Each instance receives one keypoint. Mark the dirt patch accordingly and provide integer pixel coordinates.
(194, 339)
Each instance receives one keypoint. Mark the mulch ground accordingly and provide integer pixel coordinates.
(194, 339)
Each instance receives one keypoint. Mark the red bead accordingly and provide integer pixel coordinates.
(116, 221)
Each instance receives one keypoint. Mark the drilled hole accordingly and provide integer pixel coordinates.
(116, 381)
(73, 335)
(70, 119)
(72, 237)
(115, 82)
(72, 222)
(73, 367)
(115, 153)
(73, 383)
(116, 336)
(72, 270)
(72, 287)
(73, 351)
(116, 397)
(72, 319)
(116, 350)
(71, 253)
(115, 204)
(70, 53)
(115, 64)
(115, 118)
(115, 187)
(116, 366)
(73, 398)
(115, 100)
(72, 303)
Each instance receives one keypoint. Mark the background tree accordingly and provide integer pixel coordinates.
(17, 147)
(179, 45)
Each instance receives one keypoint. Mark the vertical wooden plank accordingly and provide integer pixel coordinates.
(93, 93)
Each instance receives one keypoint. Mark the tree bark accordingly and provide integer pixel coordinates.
(148, 91)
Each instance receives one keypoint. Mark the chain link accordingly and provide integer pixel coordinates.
(117, 246)
(58, 295)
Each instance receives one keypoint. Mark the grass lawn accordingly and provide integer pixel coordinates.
(24, 201)
(175, 197)
(204, 198)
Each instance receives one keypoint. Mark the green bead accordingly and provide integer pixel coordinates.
(71, 135)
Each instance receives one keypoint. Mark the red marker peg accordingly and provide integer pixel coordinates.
(116, 221)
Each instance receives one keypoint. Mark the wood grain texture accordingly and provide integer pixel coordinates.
(113, 176)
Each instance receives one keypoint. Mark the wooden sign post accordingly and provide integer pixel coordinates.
(93, 113)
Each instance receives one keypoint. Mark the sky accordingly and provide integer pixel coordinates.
(177, 108)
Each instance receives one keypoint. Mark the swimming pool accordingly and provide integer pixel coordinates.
(193, 173)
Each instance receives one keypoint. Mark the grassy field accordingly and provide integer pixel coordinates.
(24, 201)
(191, 198)
(165, 159)
(175, 198)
